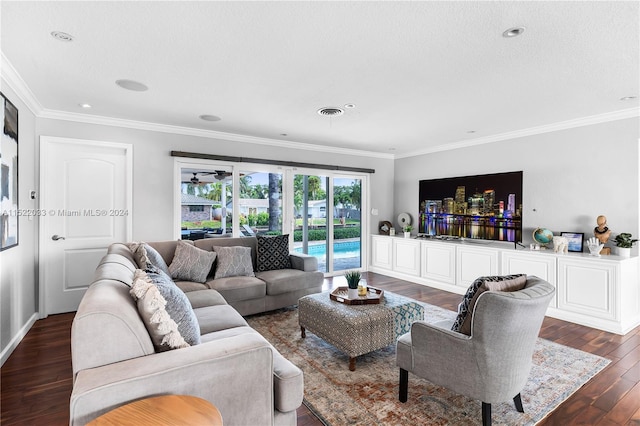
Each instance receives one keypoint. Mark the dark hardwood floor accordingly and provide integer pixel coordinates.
(36, 379)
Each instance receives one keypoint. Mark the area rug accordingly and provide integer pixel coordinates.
(369, 395)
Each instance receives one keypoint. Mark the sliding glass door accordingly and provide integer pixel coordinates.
(320, 210)
(347, 223)
(328, 222)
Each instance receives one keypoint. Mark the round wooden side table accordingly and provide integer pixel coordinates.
(183, 410)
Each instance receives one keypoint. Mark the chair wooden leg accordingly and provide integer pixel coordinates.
(404, 385)
(518, 401)
(486, 414)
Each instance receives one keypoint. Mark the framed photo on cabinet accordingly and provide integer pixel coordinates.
(576, 240)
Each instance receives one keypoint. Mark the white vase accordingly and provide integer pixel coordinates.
(407, 234)
(624, 251)
(352, 293)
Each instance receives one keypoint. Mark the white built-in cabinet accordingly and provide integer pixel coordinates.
(473, 262)
(530, 263)
(382, 253)
(600, 292)
(406, 256)
(438, 262)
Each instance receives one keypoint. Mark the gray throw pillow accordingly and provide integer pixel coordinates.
(514, 282)
(234, 261)
(273, 252)
(191, 263)
(166, 313)
(146, 255)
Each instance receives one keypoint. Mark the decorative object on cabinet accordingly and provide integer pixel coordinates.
(560, 244)
(404, 219)
(602, 231)
(575, 239)
(542, 236)
(595, 246)
(392, 231)
(407, 230)
(384, 227)
(624, 242)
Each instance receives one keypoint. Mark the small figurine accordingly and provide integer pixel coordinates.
(602, 233)
(595, 246)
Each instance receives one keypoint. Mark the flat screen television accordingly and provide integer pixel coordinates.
(486, 207)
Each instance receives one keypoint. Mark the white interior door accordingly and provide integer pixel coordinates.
(85, 205)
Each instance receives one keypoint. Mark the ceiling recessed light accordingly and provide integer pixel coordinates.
(209, 117)
(349, 105)
(84, 105)
(136, 86)
(513, 32)
(628, 98)
(330, 111)
(59, 35)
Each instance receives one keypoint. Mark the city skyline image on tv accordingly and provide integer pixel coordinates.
(481, 207)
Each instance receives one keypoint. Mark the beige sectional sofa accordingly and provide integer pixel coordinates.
(116, 359)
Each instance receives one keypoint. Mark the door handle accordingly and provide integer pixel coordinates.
(57, 237)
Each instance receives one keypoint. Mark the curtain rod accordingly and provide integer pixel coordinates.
(265, 161)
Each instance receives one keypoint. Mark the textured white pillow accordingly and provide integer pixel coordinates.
(162, 329)
(191, 263)
(234, 261)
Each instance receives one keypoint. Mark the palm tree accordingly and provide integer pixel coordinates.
(274, 180)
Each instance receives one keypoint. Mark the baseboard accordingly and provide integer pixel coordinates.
(8, 350)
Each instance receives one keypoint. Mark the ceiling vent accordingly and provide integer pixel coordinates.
(330, 111)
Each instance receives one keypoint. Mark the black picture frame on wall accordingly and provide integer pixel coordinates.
(9, 175)
(576, 240)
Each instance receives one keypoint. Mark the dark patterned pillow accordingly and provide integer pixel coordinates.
(462, 324)
(273, 252)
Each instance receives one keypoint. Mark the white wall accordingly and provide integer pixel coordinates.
(570, 177)
(153, 168)
(18, 280)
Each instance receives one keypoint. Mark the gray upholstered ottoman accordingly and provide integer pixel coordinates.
(358, 329)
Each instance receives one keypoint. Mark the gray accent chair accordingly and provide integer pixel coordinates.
(493, 363)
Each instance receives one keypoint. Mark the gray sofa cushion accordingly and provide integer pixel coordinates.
(288, 280)
(239, 288)
(218, 317)
(191, 263)
(273, 252)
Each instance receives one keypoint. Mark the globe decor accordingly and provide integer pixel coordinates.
(543, 236)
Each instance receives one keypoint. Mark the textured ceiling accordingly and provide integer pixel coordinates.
(422, 75)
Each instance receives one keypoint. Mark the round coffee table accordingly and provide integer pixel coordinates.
(162, 410)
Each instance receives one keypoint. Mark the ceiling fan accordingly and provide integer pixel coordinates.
(218, 174)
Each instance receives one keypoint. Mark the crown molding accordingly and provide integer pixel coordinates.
(16, 83)
(554, 127)
(210, 134)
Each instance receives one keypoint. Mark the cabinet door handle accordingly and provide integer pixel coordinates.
(57, 237)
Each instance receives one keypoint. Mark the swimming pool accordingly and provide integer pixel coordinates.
(341, 249)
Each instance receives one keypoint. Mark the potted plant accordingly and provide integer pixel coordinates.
(353, 278)
(624, 242)
(407, 230)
